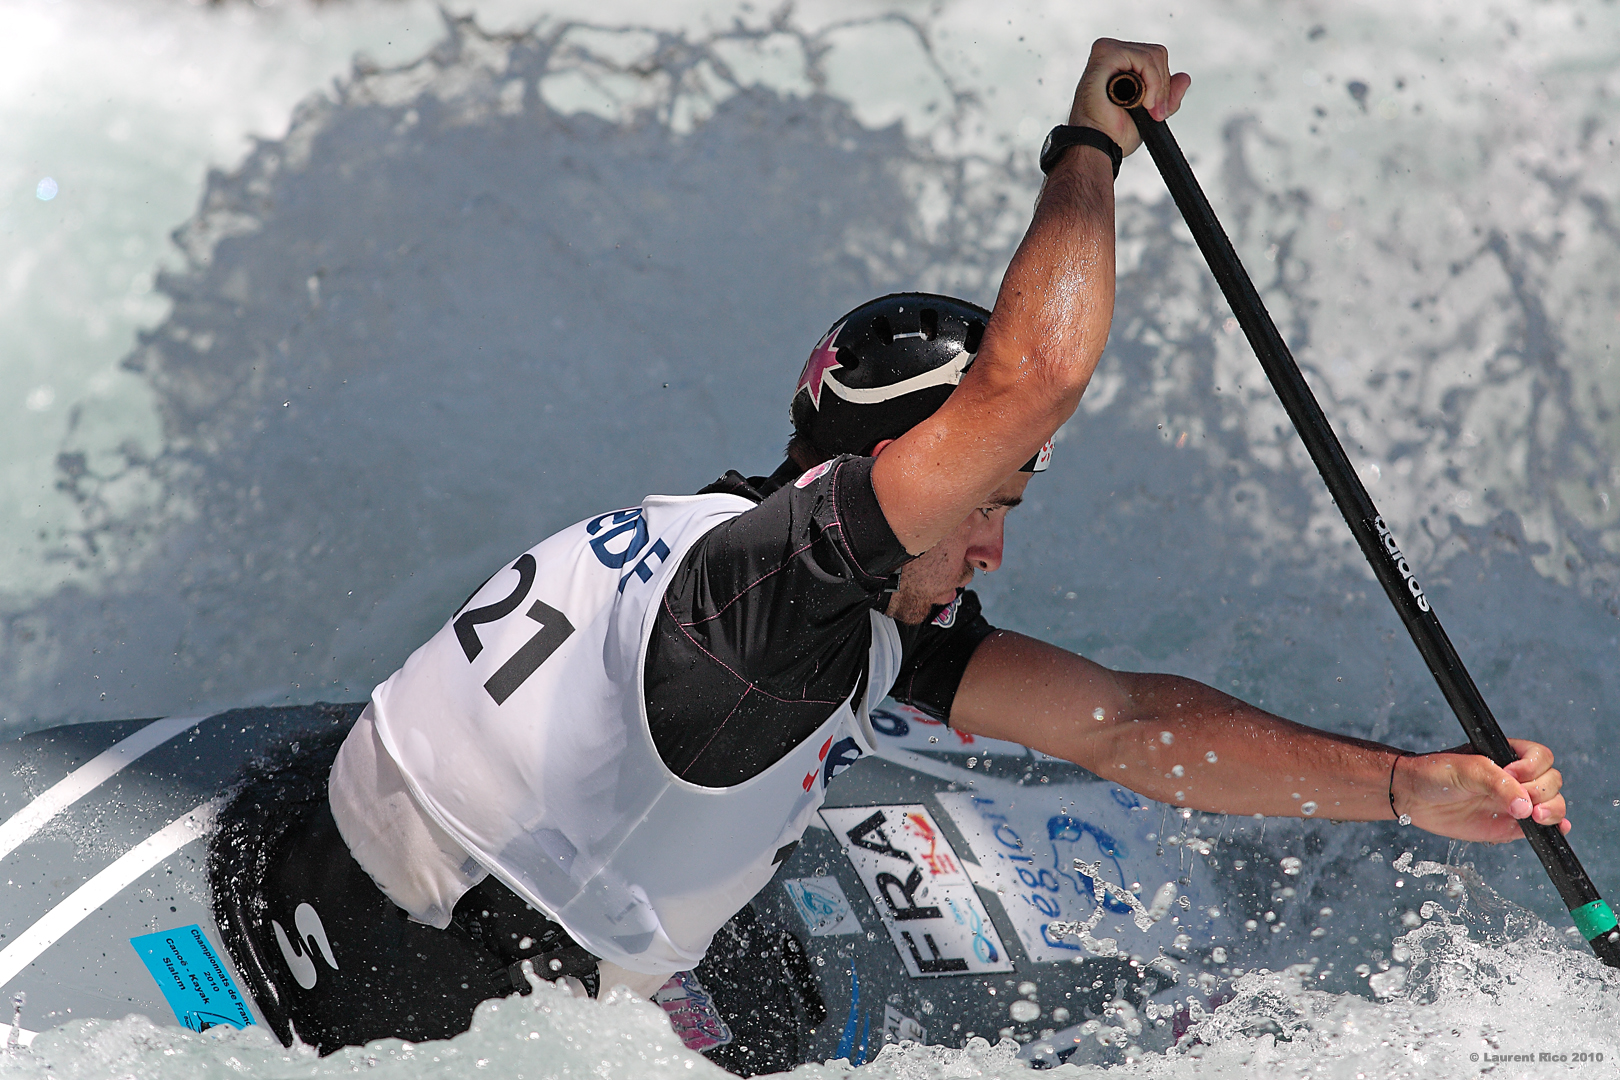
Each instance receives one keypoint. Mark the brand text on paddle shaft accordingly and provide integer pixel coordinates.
(1400, 563)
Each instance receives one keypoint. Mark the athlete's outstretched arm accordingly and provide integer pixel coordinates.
(1048, 328)
(1184, 743)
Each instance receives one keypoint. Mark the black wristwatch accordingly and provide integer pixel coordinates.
(1064, 136)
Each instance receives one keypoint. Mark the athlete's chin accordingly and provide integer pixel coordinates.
(909, 610)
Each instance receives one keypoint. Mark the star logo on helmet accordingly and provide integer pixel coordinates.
(823, 358)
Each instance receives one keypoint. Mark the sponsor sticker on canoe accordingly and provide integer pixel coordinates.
(922, 894)
(898, 1027)
(193, 980)
(1033, 848)
(821, 903)
(692, 1013)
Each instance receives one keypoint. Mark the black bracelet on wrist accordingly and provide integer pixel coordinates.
(1060, 138)
(1392, 809)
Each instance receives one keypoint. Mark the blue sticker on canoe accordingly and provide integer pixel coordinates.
(188, 971)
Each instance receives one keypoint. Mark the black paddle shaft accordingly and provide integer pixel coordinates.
(1591, 914)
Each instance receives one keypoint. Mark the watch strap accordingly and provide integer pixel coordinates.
(1060, 138)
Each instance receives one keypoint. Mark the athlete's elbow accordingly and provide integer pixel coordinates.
(1059, 371)
(1035, 391)
(1050, 346)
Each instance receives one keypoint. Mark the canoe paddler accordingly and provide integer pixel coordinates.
(605, 753)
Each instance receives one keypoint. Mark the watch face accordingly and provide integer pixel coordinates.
(1046, 147)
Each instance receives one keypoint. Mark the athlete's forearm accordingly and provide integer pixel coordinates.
(1182, 742)
(1056, 302)
(1039, 349)
(1166, 737)
(1046, 334)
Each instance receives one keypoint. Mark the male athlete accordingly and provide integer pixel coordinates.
(606, 752)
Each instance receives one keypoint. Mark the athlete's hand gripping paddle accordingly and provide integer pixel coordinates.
(1592, 915)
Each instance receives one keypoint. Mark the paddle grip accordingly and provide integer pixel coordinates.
(1125, 89)
(1366, 524)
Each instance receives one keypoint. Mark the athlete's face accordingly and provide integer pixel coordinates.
(933, 577)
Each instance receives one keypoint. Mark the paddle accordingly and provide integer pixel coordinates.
(1591, 914)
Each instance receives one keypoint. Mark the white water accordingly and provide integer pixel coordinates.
(465, 300)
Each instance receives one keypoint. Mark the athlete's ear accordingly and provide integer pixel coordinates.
(878, 449)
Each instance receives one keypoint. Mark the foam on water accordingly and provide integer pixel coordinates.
(1513, 1002)
(468, 298)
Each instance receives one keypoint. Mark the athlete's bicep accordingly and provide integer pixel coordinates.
(1039, 695)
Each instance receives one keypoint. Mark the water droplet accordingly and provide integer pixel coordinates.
(1308, 809)
(1098, 714)
(1178, 771)
(933, 738)
(46, 189)
(1290, 865)
(1166, 738)
(1406, 819)
(1210, 757)
(1388, 983)
(1218, 955)
(1027, 989)
(1023, 1011)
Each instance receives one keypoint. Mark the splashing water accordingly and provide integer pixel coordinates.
(466, 296)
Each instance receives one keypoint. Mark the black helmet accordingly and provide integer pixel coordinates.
(884, 368)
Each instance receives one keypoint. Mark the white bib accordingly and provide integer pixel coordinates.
(520, 729)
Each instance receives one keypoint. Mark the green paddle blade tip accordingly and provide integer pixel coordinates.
(1593, 919)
